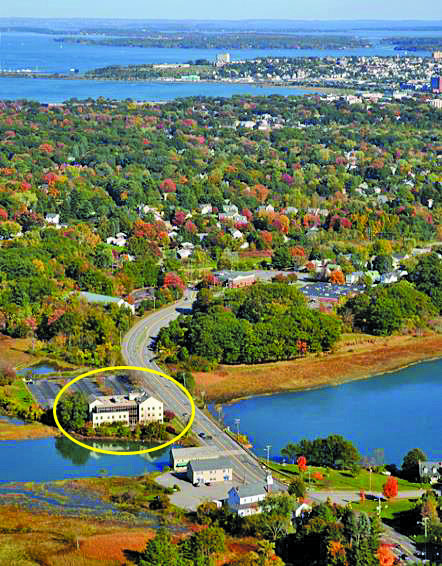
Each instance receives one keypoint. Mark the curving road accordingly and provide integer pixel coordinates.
(136, 351)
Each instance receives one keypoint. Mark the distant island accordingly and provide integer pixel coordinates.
(224, 41)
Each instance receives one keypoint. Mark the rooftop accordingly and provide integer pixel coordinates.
(96, 298)
(193, 453)
(331, 291)
(210, 464)
(249, 489)
(114, 400)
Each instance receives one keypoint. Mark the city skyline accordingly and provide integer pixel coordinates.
(396, 10)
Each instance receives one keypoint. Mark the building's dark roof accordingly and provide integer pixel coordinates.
(330, 291)
(210, 464)
(250, 489)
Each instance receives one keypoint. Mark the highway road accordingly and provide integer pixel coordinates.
(135, 349)
(136, 352)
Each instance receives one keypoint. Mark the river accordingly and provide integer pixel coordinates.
(394, 412)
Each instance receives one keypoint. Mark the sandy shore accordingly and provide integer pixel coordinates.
(358, 357)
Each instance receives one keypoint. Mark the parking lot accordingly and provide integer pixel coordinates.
(46, 390)
(189, 496)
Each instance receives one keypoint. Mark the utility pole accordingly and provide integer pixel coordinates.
(425, 524)
(237, 421)
(268, 452)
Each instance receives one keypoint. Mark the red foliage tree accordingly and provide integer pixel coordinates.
(180, 218)
(173, 280)
(3, 214)
(302, 463)
(390, 488)
(190, 227)
(168, 186)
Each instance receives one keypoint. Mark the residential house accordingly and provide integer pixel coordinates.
(180, 457)
(209, 470)
(53, 218)
(392, 276)
(117, 241)
(236, 234)
(430, 470)
(245, 499)
(205, 209)
(184, 253)
(136, 407)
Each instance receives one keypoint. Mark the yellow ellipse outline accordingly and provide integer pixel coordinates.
(122, 453)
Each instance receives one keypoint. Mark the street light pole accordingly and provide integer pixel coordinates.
(268, 452)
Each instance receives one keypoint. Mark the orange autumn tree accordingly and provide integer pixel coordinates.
(337, 277)
(386, 557)
(336, 553)
(390, 488)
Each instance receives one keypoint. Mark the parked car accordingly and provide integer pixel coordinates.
(208, 483)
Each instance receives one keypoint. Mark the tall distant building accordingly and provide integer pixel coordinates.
(222, 59)
(436, 84)
(437, 55)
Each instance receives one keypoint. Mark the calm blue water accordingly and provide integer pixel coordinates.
(396, 412)
(42, 53)
(53, 90)
(47, 459)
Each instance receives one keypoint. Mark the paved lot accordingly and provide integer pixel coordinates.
(190, 497)
(45, 390)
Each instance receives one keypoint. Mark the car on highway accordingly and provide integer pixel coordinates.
(208, 483)
(209, 437)
(202, 435)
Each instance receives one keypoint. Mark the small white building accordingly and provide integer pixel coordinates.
(205, 209)
(53, 218)
(245, 500)
(118, 241)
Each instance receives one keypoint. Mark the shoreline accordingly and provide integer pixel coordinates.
(231, 384)
(256, 84)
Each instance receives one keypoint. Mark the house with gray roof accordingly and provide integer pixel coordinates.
(245, 499)
(209, 470)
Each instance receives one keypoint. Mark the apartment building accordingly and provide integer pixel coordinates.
(131, 409)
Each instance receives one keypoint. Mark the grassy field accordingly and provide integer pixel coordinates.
(389, 509)
(10, 431)
(31, 539)
(339, 480)
(355, 357)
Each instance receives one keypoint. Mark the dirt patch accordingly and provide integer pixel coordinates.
(358, 357)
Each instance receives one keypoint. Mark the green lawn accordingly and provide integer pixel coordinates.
(339, 479)
(389, 509)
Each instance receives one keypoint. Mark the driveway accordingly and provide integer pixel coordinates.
(189, 496)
